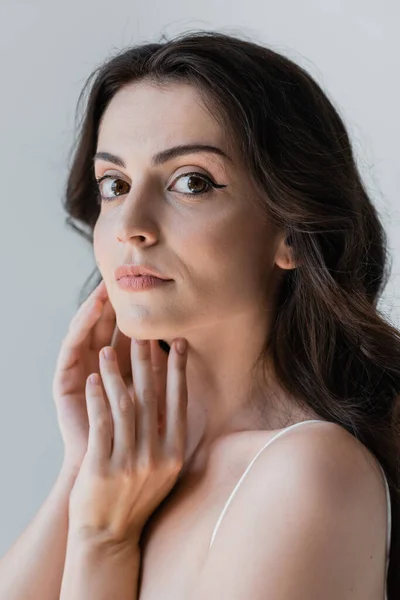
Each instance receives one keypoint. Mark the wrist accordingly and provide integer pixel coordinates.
(99, 550)
(94, 569)
(103, 542)
(69, 469)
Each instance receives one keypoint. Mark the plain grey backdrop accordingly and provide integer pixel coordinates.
(47, 50)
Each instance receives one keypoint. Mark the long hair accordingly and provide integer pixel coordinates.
(328, 342)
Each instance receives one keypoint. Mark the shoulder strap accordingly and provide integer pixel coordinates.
(389, 518)
(249, 467)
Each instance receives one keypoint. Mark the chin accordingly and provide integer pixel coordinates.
(128, 333)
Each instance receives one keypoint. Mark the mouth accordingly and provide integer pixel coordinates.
(139, 283)
(131, 270)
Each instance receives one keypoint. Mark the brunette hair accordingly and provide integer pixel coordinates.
(329, 342)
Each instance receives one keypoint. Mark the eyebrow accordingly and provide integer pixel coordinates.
(165, 155)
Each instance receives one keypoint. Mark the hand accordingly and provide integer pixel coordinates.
(124, 477)
(92, 328)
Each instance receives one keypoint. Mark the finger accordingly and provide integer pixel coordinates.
(159, 362)
(104, 328)
(95, 298)
(99, 293)
(146, 399)
(122, 407)
(99, 440)
(79, 330)
(176, 409)
(122, 346)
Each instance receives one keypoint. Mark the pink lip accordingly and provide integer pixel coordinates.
(131, 270)
(140, 283)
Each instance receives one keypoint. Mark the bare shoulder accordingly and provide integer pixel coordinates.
(308, 521)
(321, 452)
(319, 458)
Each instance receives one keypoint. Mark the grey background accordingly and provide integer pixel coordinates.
(47, 50)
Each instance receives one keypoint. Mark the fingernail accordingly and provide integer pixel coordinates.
(94, 379)
(108, 353)
(181, 346)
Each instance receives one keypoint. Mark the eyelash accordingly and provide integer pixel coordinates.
(209, 181)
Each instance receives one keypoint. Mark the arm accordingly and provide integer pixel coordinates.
(303, 525)
(100, 571)
(32, 569)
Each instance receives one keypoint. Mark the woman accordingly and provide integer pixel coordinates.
(274, 258)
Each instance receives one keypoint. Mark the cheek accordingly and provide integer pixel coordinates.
(229, 245)
(222, 253)
(235, 252)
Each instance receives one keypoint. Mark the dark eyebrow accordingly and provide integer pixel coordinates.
(165, 155)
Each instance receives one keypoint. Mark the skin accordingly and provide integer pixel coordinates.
(225, 261)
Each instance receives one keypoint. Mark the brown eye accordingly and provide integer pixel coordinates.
(198, 184)
(114, 185)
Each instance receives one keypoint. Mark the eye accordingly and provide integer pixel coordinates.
(110, 179)
(198, 178)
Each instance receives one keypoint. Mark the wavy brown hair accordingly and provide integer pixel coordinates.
(329, 343)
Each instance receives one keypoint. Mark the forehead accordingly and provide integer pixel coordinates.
(150, 117)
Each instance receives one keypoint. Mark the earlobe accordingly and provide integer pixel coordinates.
(284, 257)
(287, 265)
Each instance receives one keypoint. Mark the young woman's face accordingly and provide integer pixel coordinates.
(214, 246)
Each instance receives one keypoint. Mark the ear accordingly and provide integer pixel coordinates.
(284, 254)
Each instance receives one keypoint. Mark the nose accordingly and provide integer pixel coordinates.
(136, 223)
(145, 238)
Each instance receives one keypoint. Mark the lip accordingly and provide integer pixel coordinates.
(142, 283)
(131, 270)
